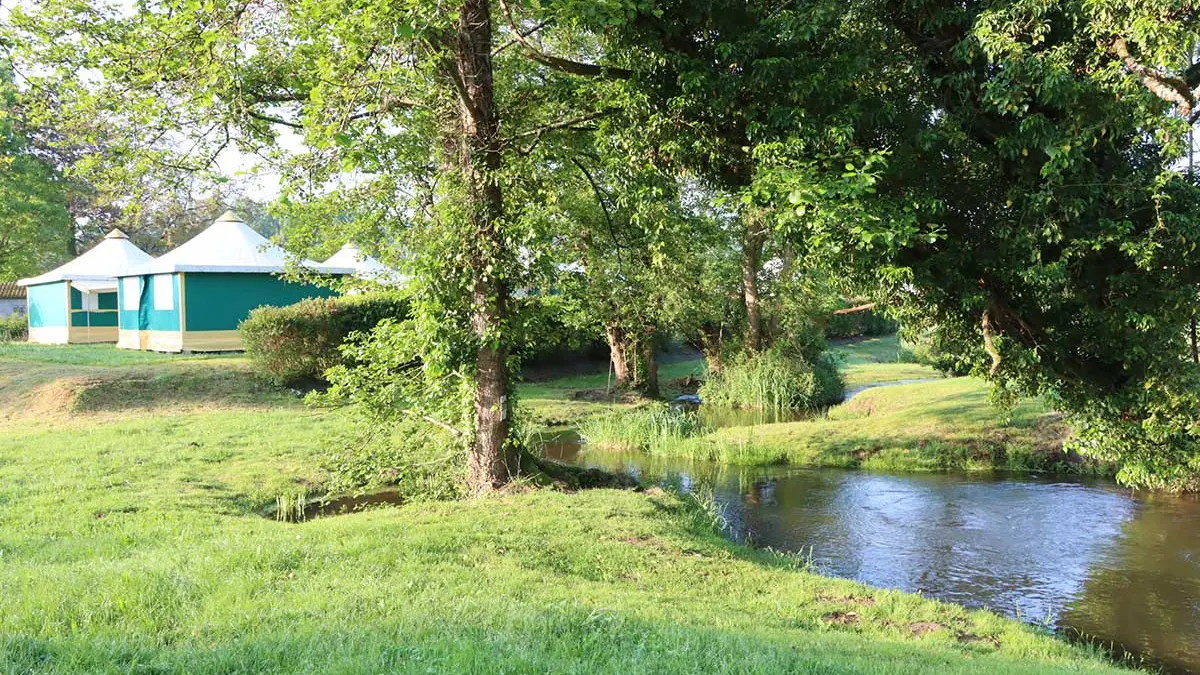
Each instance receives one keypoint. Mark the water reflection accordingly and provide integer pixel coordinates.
(1084, 556)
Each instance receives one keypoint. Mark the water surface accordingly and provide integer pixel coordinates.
(1085, 557)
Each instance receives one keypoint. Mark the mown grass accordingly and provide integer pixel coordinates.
(93, 355)
(875, 360)
(137, 543)
(139, 547)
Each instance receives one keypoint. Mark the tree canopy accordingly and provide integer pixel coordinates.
(1001, 173)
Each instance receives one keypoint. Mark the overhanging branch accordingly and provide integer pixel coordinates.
(557, 62)
(1167, 87)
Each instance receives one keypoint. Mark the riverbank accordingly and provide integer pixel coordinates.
(902, 417)
(134, 541)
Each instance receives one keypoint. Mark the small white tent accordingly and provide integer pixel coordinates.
(194, 297)
(365, 267)
(77, 302)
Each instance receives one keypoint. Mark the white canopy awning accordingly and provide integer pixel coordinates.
(229, 245)
(98, 268)
(365, 267)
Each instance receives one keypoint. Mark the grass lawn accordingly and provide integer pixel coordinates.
(934, 426)
(878, 359)
(942, 424)
(132, 541)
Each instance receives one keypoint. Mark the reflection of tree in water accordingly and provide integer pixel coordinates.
(1146, 595)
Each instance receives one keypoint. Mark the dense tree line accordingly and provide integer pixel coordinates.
(999, 172)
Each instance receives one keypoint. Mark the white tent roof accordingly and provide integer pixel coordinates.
(98, 268)
(365, 267)
(228, 245)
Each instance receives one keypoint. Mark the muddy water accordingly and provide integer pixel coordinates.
(1084, 557)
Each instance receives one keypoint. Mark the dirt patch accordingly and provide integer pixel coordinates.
(604, 396)
(841, 618)
(686, 385)
(57, 397)
(972, 640)
(919, 628)
(859, 600)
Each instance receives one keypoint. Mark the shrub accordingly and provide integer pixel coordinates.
(774, 380)
(298, 343)
(419, 461)
(14, 328)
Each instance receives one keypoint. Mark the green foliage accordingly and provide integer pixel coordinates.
(774, 380)
(14, 328)
(864, 323)
(419, 462)
(33, 207)
(646, 428)
(932, 348)
(298, 343)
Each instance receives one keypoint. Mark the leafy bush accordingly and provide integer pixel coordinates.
(419, 461)
(298, 343)
(14, 328)
(774, 380)
(931, 349)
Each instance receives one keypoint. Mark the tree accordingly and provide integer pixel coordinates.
(1052, 245)
(35, 227)
(434, 107)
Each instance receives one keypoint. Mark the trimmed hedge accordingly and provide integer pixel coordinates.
(14, 328)
(298, 343)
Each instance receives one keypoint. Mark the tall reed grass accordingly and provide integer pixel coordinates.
(645, 428)
(775, 381)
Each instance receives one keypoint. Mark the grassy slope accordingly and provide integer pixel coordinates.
(943, 424)
(877, 360)
(939, 425)
(134, 544)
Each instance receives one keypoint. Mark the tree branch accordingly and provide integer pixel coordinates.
(852, 310)
(540, 25)
(988, 344)
(274, 120)
(565, 124)
(1169, 88)
(559, 63)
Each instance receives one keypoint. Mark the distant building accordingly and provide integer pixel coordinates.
(12, 299)
(365, 267)
(77, 302)
(194, 297)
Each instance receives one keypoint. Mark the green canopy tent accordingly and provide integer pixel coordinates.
(194, 297)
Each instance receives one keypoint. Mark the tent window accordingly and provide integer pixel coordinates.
(91, 302)
(131, 291)
(164, 292)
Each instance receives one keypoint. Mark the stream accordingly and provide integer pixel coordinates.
(1086, 558)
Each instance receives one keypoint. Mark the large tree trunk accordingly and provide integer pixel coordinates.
(618, 349)
(752, 245)
(650, 386)
(712, 343)
(491, 462)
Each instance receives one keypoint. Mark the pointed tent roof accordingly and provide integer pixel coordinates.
(228, 245)
(365, 267)
(98, 268)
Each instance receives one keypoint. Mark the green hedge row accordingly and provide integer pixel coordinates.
(298, 343)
